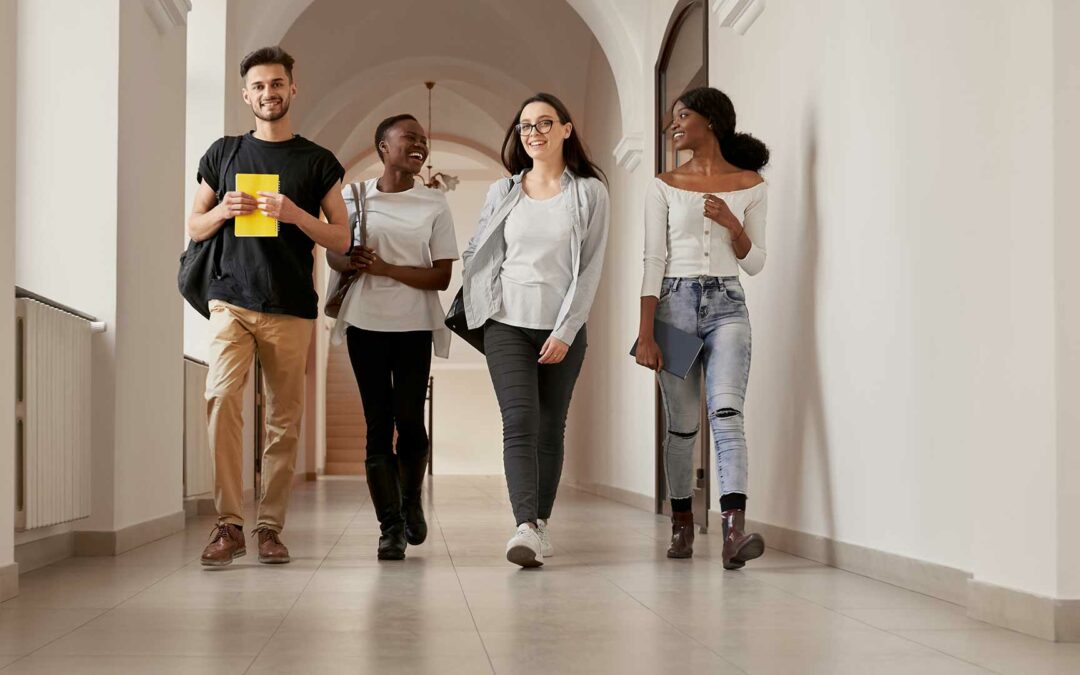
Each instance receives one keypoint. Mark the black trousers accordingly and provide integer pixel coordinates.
(534, 400)
(392, 373)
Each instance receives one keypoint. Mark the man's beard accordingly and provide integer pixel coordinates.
(274, 116)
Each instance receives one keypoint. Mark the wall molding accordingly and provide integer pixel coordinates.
(628, 151)
(1029, 613)
(1037, 615)
(940, 581)
(167, 14)
(616, 494)
(38, 553)
(203, 505)
(115, 542)
(738, 15)
(9, 581)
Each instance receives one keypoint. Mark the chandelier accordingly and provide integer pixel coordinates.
(437, 180)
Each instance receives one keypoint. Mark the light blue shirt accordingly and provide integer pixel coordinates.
(484, 257)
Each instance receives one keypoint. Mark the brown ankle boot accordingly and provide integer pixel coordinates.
(226, 544)
(682, 535)
(738, 545)
(271, 550)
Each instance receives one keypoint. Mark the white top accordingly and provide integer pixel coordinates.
(681, 242)
(412, 228)
(539, 266)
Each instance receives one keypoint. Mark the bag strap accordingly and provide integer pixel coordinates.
(360, 210)
(232, 145)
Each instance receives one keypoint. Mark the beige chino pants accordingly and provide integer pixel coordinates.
(282, 342)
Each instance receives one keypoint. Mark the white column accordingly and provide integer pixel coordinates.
(206, 105)
(9, 574)
(1067, 302)
(99, 161)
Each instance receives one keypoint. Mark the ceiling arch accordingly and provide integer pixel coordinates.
(537, 55)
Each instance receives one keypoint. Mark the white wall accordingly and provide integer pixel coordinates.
(903, 376)
(610, 429)
(207, 92)
(7, 283)
(96, 228)
(1066, 178)
(149, 325)
(67, 251)
(897, 304)
(467, 423)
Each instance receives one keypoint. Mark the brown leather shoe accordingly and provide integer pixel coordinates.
(738, 545)
(682, 535)
(271, 550)
(226, 544)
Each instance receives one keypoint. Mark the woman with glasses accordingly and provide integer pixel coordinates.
(393, 317)
(530, 274)
(704, 221)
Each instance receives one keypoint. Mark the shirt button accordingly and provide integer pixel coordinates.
(706, 254)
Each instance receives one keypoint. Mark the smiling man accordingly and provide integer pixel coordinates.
(262, 295)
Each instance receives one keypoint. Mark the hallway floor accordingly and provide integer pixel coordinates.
(609, 601)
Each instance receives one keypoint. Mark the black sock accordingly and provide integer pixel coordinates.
(681, 505)
(733, 500)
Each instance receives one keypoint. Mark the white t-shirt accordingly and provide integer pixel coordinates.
(411, 228)
(538, 268)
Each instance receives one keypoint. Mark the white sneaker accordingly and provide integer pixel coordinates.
(545, 541)
(524, 547)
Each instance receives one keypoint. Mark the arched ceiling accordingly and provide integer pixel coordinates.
(353, 58)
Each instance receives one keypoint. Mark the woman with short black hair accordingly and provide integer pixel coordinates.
(391, 316)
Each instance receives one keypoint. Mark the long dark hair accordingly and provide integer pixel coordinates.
(742, 150)
(516, 160)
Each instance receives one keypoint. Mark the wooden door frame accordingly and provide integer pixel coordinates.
(703, 492)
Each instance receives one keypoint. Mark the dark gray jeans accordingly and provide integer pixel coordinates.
(534, 400)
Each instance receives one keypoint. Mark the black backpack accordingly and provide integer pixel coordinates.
(201, 262)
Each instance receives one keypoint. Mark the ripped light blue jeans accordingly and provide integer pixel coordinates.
(714, 309)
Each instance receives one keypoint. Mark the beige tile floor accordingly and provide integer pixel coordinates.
(609, 601)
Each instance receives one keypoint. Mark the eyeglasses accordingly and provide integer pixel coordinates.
(541, 127)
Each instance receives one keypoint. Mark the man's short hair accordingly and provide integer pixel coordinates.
(267, 55)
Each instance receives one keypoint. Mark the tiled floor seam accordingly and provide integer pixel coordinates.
(103, 613)
(669, 623)
(881, 630)
(284, 617)
(464, 595)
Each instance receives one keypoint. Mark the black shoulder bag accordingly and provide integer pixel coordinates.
(458, 323)
(201, 262)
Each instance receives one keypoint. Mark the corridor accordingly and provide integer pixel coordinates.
(607, 602)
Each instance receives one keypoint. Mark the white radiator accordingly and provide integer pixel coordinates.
(52, 415)
(198, 465)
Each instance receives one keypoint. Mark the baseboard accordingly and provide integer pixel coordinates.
(311, 476)
(41, 552)
(940, 581)
(9, 581)
(203, 505)
(616, 494)
(115, 542)
(1038, 615)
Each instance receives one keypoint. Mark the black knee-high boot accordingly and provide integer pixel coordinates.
(412, 472)
(382, 480)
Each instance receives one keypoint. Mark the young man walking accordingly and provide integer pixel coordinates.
(262, 296)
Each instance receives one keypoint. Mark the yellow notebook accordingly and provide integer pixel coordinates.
(257, 224)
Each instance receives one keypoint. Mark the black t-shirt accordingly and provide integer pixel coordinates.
(272, 274)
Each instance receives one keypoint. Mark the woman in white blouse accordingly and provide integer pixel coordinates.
(704, 221)
(393, 315)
